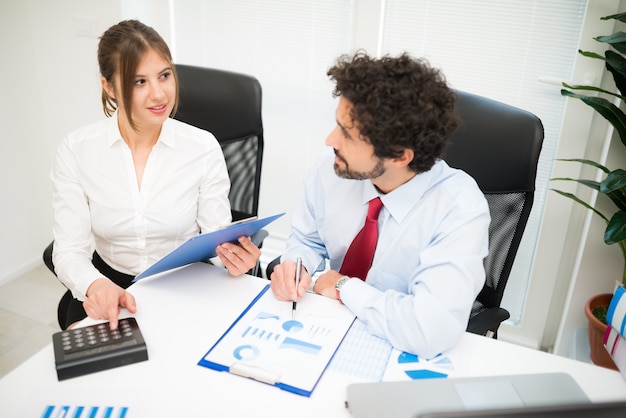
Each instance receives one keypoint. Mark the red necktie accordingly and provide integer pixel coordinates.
(360, 254)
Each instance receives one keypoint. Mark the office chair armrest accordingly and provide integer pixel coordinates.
(270, 267)
(258, 237)
(487, 320)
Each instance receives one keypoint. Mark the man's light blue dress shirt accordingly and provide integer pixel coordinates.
(428, 266)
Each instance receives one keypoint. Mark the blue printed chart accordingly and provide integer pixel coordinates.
(270, 343)
(54, 411)
(91, 400)
(405, 365)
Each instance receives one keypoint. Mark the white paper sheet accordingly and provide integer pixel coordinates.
(265, 343)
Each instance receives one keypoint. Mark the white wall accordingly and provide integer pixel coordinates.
(50, 86)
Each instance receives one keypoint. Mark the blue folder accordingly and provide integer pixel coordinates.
(202, 246)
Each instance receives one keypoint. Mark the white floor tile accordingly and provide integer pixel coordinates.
(34, 295)
(27, 316)
(20, 338)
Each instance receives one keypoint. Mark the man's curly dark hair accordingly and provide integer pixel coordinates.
(398, 103)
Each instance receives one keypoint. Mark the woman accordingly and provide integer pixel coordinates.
(136, 185)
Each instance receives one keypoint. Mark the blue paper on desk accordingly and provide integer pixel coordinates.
(202, 246)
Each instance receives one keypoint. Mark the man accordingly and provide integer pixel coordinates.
(394, 119)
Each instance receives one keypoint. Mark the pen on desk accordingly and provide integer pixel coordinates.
(298, 268)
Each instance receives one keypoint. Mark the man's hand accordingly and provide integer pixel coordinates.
(325, 284)
(238, 258)
(104, 299)
(283, 281)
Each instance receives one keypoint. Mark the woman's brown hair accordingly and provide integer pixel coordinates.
(120, 49)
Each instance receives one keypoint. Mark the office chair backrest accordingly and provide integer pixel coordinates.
(499, 146)
(228, 105)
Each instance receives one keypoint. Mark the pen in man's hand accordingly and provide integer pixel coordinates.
(298, 268)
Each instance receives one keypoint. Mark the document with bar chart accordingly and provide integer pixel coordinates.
(270, 344)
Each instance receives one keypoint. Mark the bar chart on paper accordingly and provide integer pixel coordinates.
(79, 411)
(266, 344)
(90, 400)
(290, 327)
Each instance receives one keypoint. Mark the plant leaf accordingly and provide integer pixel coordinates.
(616, 229)
(588, 162)
(588, 88)
(607, 109)
(617, 40)
(616, 64)
(589, 183)
(590, 54)
(614, 181)
(614, 186)
(619, 16)
(585, 204)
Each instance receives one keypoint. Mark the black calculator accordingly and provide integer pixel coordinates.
(93, 348)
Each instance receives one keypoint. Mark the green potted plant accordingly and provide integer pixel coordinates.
(613, 185)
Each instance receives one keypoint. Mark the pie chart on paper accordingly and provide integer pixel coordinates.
(419, 368)
(293, 326)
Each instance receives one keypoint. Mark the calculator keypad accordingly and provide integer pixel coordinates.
(95, 335)
(94, 348)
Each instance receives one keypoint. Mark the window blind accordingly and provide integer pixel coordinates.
(288, 45)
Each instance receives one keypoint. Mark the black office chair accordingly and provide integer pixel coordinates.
(499, 146)
(228, 105)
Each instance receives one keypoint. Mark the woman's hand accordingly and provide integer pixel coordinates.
(238, 258)
(104, 300)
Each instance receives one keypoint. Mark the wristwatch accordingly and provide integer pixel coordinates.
(339, 285)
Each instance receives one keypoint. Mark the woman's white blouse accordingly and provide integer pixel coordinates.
(99, 205)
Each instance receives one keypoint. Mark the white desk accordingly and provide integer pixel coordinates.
(182, 315)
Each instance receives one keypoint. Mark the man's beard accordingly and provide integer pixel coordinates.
(346, 173)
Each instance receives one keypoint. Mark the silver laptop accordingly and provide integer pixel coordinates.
(616, 409)
(412, 398)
